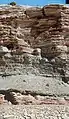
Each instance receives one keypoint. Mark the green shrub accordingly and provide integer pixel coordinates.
(13, 3)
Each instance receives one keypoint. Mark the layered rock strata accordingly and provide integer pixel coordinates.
(34, 42)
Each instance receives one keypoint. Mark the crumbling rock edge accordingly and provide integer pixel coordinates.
(16, 97)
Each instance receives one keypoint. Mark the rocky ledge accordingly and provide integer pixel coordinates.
(34, 50)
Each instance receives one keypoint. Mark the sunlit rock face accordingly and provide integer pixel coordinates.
(37, 43)
(35, 27)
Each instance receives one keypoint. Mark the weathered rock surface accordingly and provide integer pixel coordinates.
(36, 41)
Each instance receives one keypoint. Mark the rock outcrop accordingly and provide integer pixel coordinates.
(37, 43)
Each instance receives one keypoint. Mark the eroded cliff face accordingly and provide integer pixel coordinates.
(43, 28)
(35, 41)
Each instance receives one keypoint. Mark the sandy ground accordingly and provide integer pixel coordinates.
(34, 111)
(39, 84)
